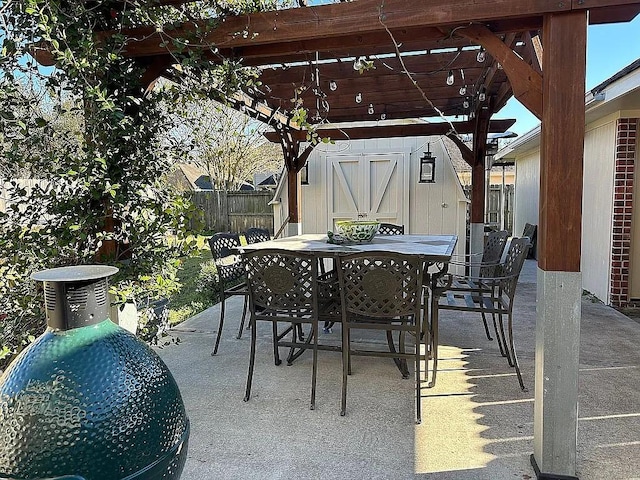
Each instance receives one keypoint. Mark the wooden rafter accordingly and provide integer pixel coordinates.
(427, 34)
(394, 131)
(525, 81)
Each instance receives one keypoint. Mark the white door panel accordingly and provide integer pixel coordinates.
(368, 186)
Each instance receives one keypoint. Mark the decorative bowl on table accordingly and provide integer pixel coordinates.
(357, 230)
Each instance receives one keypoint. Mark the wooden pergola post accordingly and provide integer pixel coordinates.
(293, 161)
(559, 239)
(478, 184)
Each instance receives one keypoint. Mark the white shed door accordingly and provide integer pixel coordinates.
(368, 186)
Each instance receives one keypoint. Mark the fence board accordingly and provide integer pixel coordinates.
(235, 211)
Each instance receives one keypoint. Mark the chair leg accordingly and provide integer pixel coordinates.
(276, 351)
(513, 354)
(434, 341)
(504, 339)
(401, 363)
(220, 323)
(486, 326)
(252, 359)
(349, 351)
(418, 381)
(346, 367)
(244, 314)
(314, 373)
(501, 344)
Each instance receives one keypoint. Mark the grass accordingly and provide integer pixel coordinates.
(188, 301)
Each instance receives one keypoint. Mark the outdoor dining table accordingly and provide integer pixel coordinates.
(435, 250)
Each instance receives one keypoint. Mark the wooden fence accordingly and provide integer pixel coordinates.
(235, 211)
(494, 211)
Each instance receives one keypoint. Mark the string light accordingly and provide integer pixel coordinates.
(481, 55)
(383, 116)
(333, 86)
(359, 97)
(370, 110)
(450, 78)
(465, 104)
(482, 94)
(463, 90)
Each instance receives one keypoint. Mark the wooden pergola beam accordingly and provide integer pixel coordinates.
(393, 131)
(465, 151)
(338, 20)
(526, 83)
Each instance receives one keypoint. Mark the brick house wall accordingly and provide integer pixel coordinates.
(625, 157)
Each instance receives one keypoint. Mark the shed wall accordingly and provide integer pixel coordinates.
(433, 208)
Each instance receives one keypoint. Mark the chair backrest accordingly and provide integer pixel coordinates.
(257, 235)
(531, 232)
(226, 258)
(512, 265)
(381, 285)
(492, 253)
(282, 281)
(390, 229)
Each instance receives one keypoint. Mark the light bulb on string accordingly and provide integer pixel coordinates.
(359, 97)
(465, 104)
(463, 90)
(481, 55)
(450, 78)
(383, 116)
(333, 86)
(370, 110)
(482, 94)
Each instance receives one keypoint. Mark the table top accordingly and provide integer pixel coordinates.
(436, 248)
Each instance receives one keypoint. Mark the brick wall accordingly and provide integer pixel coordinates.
(626, 148)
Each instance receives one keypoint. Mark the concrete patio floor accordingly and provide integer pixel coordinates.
(477, 423)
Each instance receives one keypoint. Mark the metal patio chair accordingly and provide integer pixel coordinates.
(488, 294)
(381, 291)
(283, 288)
(390, 229)
(231, 276)
(488, 264)
(256, 235)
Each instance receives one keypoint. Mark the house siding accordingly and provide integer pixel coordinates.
(597, 205)
(527, 195)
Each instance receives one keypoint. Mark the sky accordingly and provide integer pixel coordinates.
(610, 48)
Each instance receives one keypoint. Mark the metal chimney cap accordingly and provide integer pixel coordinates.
(77, 273)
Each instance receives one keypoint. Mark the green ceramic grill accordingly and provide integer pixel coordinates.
(88, 400)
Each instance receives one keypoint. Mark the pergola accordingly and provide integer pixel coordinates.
(428, 59)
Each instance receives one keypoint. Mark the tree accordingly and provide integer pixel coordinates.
(225, 143)
(103, 198)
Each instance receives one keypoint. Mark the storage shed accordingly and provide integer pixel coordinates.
(379, 179)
